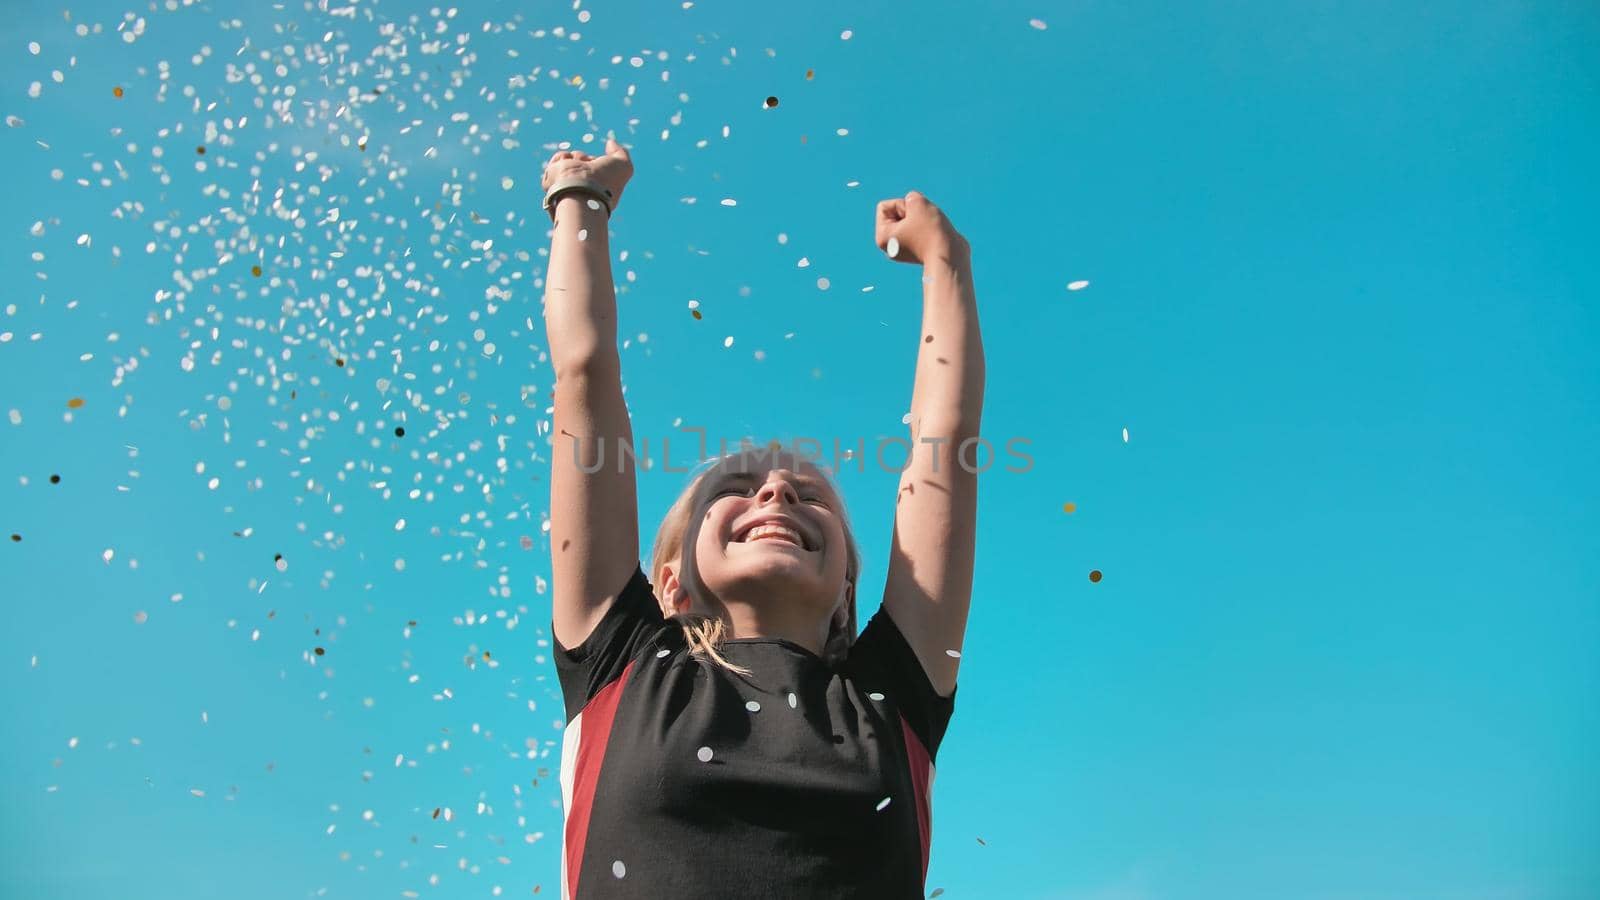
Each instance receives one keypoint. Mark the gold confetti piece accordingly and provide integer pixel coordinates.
(116, 92)
(810, 74)
(696, 314)
(200, 150)
(772, 102)
(1095, 576)
(75, 403)
(1069, 508)
(256, 271)
(319, 651)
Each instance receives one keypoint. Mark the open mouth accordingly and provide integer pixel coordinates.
(773, 531)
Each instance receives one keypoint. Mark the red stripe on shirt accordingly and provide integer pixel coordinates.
(597, 717)
(921, 769)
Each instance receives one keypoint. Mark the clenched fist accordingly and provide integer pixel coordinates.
(911, 229)
(610, 171)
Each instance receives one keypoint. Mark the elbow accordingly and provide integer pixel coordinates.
(587, 363)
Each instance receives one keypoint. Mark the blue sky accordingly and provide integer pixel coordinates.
(1341, 294)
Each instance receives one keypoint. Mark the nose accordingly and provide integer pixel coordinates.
(778, 487)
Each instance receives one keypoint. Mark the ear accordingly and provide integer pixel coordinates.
(672, 596)
(841, 616)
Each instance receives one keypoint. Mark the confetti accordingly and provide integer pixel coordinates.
(771, 102)
(618, 869)
(1069, 508)
(1038, 24)
(1095, 576)
(1124, 435)
(1078, 286)
(704, 754)
(893, 249)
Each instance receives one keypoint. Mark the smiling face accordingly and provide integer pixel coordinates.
(771, 530)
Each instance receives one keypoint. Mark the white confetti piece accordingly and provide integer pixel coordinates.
(400, 525)
(507, 183)
(618, 869)
(727, 341)
(1077, 285)
(33, 47)
(16, 416)
(1124, 435)
(140, 617)
(893, 249)
(794, 701)
(729, 201)
(881, 804)
(953, 654)
(704, 754)
(663, 653)
(905, 419)
(875, 696)
(72, 743)
(822, 284)
(1038, 24)
(753, 706)
(846, 34)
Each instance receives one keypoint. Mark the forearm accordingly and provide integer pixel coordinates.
(947, 399)
(580, 303)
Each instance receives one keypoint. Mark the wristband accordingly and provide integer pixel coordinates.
(582, 186)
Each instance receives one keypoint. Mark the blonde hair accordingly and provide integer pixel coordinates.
(705, 633)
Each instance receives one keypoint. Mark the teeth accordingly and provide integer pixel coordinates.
(773, 531)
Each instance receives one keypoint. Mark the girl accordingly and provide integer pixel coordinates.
(729, 734)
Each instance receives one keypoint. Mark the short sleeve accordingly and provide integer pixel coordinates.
(881, 655)
(629, 624)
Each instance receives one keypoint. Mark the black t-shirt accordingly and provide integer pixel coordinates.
(680, 778)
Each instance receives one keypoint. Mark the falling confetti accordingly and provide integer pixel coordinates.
(1069, 508)
(1125, 436)
(1095, 576)
(1038, 24)
(1079, 285)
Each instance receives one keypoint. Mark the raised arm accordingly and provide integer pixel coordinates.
(594, 517)
(928, 589)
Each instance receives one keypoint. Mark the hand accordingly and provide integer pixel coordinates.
(920, 231)
(610, 171)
